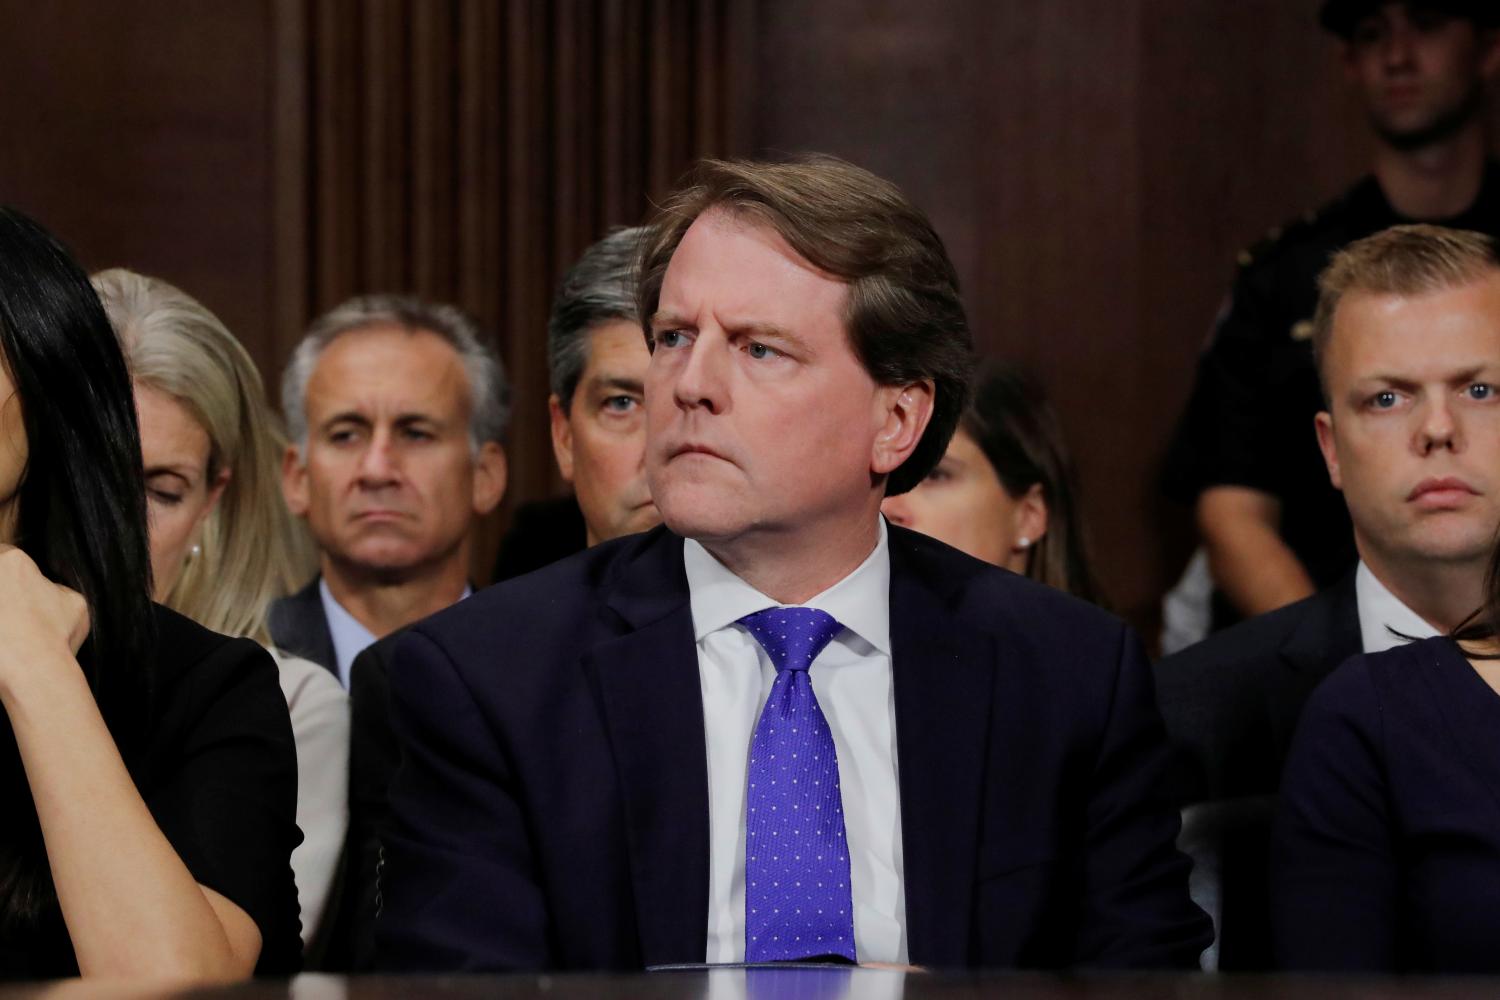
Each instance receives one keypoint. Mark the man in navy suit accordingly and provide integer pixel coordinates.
(777, 728)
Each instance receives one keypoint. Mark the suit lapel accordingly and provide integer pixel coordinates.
(1327, 635)
(943, 677)
(298, 626)
(650, 697)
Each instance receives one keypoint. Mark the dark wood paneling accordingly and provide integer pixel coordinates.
(1094, 170)
(141, 133)
(468, 151)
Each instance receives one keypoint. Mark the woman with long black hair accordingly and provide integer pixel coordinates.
(147, 770)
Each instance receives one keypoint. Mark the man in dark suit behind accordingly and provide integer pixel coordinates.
(1386, 345)
(682, 746)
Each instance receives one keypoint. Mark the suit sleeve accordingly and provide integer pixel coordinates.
(1333, 872)
(458, 888)
(1136, 911)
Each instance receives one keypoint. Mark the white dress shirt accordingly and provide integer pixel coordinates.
(852, 680)
(349, 636)
(1381, 611)
(320, 728)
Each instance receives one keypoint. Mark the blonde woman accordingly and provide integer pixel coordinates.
(223, 545)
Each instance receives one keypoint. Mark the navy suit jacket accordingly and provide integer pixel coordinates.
(551, 805)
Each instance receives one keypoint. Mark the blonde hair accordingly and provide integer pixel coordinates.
(252, 551)
(1403, 260)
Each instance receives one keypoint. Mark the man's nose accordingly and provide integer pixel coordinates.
(702, 379)
(1398, 47)
(1439, 428)
(378, 465)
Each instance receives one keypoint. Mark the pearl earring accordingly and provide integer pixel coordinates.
(1023, 542)
(195, 552)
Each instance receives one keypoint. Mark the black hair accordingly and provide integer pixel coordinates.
(81, 510)
(1016, 428)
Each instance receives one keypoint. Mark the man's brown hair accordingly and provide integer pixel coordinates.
(904, 317)
(1403, 260)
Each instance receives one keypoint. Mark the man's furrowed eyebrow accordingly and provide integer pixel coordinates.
(346, 417)
(619, 382)
(667, 319)
(768, 331)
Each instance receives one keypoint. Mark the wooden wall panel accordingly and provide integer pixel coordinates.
(468, 151)
(142, 134)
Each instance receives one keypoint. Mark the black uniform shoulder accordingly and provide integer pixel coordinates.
(1307, 240)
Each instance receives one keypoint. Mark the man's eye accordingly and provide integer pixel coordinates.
(417, 434)
(1481, 390)
(760, 351)
(670, 338)
(1383, 400)
(621, 404)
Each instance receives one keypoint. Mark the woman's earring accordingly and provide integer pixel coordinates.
(194, 552)
(1023, 542)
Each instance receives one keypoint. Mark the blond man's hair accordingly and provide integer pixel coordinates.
(1402, 260)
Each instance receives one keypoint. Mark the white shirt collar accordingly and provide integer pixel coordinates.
(860, 601)
(350, 637)
(1382, 615)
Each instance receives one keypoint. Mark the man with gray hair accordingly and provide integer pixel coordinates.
(396, 411)
(597, 362)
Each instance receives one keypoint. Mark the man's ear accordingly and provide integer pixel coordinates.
(294, 481)
(562, 437)
(904, 412)
(1323, 424)
(489, 477)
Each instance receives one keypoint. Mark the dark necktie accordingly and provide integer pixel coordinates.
(797, 898)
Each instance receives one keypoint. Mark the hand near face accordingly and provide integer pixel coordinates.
(43, 623)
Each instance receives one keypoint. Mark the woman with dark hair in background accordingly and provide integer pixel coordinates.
(147, 771)
(1005, 490)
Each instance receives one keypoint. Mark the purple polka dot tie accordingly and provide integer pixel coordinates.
(797, 899)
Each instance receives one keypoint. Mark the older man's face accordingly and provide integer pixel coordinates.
(390, 482)
(761, 421)
(600, 440)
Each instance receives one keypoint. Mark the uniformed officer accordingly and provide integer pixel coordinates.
(1245, 452)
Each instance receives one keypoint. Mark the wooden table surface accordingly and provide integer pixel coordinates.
(790, 984)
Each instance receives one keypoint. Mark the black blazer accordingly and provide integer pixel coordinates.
(1387, 849)
(551, 805)
(1231, 705)
(299, 626)
(1231, 702)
